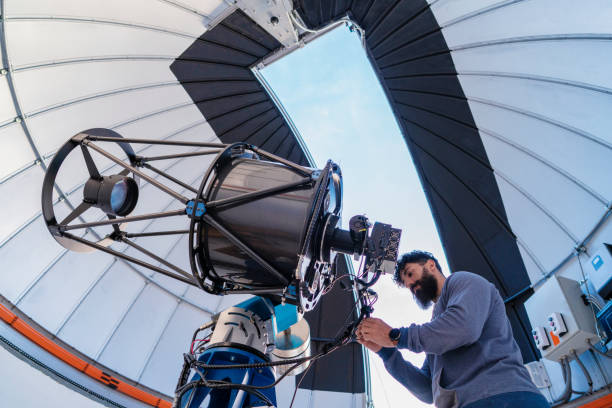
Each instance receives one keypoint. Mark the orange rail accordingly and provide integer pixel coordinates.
(603, 402)
(29, 332)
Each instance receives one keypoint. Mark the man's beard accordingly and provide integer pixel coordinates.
(427, 291)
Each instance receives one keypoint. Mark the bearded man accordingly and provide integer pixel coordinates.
(472, 360)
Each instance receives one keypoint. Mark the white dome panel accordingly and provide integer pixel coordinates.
(15, 150)
(24, 189)
(581, 62)
(7, 107)
(448, 10)
(588, 110)
(180, 122)
(63, 285)
(52, 128)
(534, 228)
(210, 8)
(528, 19)
(77, 81)
(557, 195)
(144, 12)
(534, 269)
(132, 342)
(163, 367)
(567, 152)
(36, 42)
(102, 307)
(25, 256)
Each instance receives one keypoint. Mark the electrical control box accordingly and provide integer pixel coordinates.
(557, 306)
(600, 270)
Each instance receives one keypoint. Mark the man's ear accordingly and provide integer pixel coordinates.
(431, 265)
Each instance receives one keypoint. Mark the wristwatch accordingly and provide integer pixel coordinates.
(394, 335)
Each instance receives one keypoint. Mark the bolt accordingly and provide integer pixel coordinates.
(274, 20)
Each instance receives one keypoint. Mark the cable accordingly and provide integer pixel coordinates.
(298, 385)
(595, 349)
(180, 391)
(584, 279)
(293, 15)
(567, 378)
(585, 372)
(366, 297)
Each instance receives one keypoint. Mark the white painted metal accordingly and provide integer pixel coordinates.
(241, 326)
(49, 393)
(272, 16)
(538, 374)
(535, 74)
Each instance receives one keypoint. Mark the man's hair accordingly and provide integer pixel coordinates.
(415, 256)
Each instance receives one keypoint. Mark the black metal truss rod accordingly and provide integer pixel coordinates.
(134, 170)
(179, 155)
(303, 170)
(257, 291)
(257, 194)
(128, 258)
(169, 177)
(236, 241)
(154, 141)
(122, 220)
(157, 258)
(76, 213)
(155, 233)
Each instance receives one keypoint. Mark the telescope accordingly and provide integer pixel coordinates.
(256, 224)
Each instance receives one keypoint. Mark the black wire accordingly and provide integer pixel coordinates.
(298, 384)
(328, 348)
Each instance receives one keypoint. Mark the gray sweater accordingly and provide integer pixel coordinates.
(471, 353)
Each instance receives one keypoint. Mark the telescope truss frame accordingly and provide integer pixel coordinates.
(196, 208)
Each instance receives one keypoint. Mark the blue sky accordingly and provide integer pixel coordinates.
(333, 96)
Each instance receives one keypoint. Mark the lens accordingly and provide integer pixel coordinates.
(118, 196)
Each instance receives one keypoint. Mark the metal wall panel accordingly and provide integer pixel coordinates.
(162, 369)
(127, 350)
(104, 304)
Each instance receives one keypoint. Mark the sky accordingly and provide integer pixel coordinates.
(331, 93)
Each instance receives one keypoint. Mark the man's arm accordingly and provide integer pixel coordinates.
(460, 324)
(418, 381)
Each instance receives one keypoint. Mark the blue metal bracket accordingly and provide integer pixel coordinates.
(200, 209)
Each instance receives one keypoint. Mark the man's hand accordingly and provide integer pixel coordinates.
(373, 330)
(372, 346)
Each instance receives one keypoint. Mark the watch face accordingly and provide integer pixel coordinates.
(394, 334)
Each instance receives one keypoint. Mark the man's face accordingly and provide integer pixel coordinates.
(421, 283)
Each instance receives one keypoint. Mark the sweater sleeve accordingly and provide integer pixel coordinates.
(468, 304)
(417, 381)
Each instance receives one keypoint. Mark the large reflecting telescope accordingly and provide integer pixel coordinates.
(256, 224)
